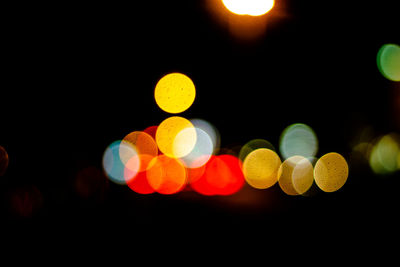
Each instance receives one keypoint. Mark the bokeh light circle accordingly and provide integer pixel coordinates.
(176, 137)
(331, 172)
(210, 129)
(249, 7)
(114, 166)
(151, 130)
(143, 143)
(201, 152)
(303, 176)
(166, 175)
(138, 182)
(296, 175)
(4, 160)
(298, 140)
(221, 175)
(388, 61)
(175, 93)
(385, 153)
(253, 145)
(91, 183)
(260, 168)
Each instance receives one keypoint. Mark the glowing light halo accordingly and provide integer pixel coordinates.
(113, 164)
(221, 175)
(143, 142)
(253, 145)
(202, 150)
(138, 182)
(388, 61)
(198, 181)
(171, 142)
(175, 93)
(303, 176)
(225, 175)
(151, 130)
(249, 7)
(295, 175)
(384, 155)
(4, 160)
(260, 168)
(298, 140)
(210, 129)
(331, 172)
(166, 175)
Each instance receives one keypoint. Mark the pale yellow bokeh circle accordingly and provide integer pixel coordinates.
(331, 172)
(176, 137)
(296, 175)
(175, 93)
(260, 168)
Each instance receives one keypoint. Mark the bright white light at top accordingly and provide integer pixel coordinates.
(249, 7)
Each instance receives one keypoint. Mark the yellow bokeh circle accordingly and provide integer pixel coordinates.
(260, 168)
(331, 172)
(296, 175)
(176, 137)
(175, 93)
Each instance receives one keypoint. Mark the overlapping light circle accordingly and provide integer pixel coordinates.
(220, 176)
(120, 157)
(210, 129)
(166, 175)
(180, 153)
(176, 137)
(296, 175)
(202, 150)
(253, 145)
(385, 154)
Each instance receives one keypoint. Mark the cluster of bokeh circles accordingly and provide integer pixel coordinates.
(182, 154)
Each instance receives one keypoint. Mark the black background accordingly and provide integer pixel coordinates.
(76, 77)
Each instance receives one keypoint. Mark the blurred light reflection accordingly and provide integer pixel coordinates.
(90, 183)
(4, 160)
(388, 61)
(384, 156)
(26, 201)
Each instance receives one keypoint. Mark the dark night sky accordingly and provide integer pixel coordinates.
(76, 77)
